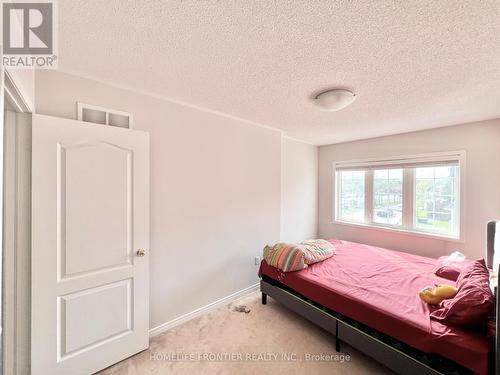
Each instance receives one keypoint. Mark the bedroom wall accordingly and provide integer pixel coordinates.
(481, 140)
(215, 191)
(299, 199)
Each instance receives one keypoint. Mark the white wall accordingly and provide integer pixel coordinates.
(215, 191)
(482, 143)
(299, 199)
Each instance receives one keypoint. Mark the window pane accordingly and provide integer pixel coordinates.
(388, 196)
(381, 173)
(351, 198)
(396, 174)
(427, 172)
(435, 199)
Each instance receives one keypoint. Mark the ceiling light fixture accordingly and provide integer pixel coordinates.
(334, 100)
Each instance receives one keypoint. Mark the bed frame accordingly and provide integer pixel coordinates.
(351, 332)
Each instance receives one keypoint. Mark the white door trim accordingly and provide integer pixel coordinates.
(17, 244)
(14, 95)
(15, 279)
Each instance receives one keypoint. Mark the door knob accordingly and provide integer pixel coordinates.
(141, 252)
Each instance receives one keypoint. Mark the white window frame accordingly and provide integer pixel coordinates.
(406, 162)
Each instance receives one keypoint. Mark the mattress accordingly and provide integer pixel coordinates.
(379, 288)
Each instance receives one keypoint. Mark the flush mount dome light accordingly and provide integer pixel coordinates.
(334, 100)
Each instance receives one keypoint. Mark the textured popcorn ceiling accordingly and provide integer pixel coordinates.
(413, 64)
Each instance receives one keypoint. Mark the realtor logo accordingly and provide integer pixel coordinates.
(28, 34)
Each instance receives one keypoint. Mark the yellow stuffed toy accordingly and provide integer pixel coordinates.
(434, 295)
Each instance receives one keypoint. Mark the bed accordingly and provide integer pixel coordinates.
(368, 297)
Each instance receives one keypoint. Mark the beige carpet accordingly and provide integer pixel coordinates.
(251, 343)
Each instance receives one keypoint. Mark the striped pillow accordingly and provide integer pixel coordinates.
(285, 256)
(292, 257)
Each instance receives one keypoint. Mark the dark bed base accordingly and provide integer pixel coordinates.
(350, 332)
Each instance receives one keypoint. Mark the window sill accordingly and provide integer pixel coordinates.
(380, 228)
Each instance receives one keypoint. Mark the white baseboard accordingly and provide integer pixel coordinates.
(202, 310)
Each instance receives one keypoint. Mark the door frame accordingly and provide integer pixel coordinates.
(16, 219)
(14, 95)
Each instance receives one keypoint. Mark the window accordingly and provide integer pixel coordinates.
(352, 196)
(435, 197)
(388, 196)
(417, 193)
(103, 116)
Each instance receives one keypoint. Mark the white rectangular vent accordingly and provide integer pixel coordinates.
(104, 116)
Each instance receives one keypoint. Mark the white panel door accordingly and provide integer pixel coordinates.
(90, 237)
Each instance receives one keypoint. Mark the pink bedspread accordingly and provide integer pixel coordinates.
(379, 287)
